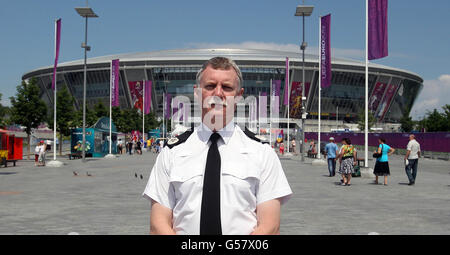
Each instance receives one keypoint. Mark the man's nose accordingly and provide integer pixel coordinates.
(218, 91)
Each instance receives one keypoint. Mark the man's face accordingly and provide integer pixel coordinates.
(219, 89)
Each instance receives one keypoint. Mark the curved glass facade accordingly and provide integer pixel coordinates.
(391, 93)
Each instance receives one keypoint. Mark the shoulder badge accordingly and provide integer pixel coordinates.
(172, 142)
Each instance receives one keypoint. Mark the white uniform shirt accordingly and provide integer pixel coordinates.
(414, 147)
(251, 174)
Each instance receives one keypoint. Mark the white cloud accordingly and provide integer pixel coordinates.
(434, 95)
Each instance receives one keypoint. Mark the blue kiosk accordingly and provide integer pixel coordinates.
(97, 139)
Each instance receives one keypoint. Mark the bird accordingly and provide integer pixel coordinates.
(88, 174)
(141, 177)
(75, 173)
(135, 175)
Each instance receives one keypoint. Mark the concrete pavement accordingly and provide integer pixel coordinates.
(44, 200)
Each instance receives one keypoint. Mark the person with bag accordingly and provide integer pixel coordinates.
(347, 160)
(382, 163)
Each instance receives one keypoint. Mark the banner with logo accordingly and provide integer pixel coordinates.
(377, 94)
(295, 102)
(389, 95)
(325, 52)
(136, 94)
(114, 82)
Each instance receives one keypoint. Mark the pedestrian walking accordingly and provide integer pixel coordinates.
(382, 163)
(282, 148)
(120, 146)
(347, 160)
(138, 147)
(331, 152)
(37, 152)
(217, 179)
(293, 146)
(130, 147)
(412, 159)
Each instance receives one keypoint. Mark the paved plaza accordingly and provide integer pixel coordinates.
(106, 198)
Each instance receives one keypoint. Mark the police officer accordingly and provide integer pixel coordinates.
(217, 179)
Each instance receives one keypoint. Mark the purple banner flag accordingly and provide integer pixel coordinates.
(325, 52)
(275, 104)
(148, 96)
(168, 108)
(286, 83)
(114, 80)
(377, 30)
(57, 42)
(263, 105)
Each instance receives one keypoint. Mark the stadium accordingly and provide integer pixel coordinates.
(392, 91)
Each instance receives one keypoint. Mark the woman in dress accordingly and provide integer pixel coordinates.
(347, 159)
(382, 163)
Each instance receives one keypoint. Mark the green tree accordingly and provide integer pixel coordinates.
(91, 118)
(4, 112)
(407, 124)
(435, 121)
(446, 115)
(27, 108)
(362, 122)
(151, 122)
(100, 110)
(64, 114)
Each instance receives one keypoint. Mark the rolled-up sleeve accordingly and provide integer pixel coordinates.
(273, 183)
(158, 186)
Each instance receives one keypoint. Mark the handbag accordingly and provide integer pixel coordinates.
(378, 155)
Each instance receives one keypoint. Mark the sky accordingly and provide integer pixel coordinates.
(419, 34)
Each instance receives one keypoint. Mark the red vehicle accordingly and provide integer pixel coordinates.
(11, 148)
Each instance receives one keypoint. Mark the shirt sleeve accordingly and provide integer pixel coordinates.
(273, 183)
(158, 186)
(409, 146)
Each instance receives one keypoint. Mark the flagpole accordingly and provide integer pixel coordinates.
(270, 117)
(164, 115)
(288, 93)
(110, 107)
(366, 95)
(54, 96)
(143, 111)
(320, 81)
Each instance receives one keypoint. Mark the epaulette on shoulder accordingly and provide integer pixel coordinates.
(253, 136)
(172, 142)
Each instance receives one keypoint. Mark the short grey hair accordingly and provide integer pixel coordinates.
(221, 63)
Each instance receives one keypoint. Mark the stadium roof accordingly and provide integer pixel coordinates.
(262, 55)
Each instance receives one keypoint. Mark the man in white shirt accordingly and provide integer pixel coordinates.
(244, 179)
(411, 159)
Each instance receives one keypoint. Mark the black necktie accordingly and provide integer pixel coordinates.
(210, 215)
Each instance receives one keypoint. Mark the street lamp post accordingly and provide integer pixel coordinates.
(303, 11)
(86, 13)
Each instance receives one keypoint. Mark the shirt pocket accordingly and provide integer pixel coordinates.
(186, 181)
(240, 180)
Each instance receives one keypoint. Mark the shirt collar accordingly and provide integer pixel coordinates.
(205, 132)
